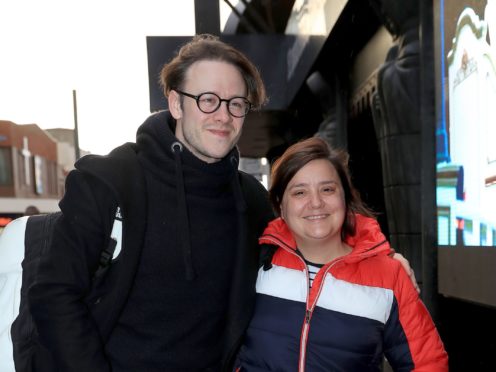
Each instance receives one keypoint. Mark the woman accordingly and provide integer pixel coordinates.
(328, 296)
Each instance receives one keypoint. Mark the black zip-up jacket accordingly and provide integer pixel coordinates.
(74, 313)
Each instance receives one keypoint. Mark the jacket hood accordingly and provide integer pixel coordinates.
(367, 241)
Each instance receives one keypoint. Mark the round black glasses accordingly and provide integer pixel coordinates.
(209, 102)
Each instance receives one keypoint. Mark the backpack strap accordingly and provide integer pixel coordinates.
(114, 247)
(121, 171)
(36, 241)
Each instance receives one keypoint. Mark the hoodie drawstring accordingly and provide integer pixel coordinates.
(182, 211)
(238, 194)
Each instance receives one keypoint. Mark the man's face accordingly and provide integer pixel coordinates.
(210, 137)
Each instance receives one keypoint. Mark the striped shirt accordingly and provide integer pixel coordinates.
(313, 269)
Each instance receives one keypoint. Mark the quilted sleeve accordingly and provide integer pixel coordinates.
(411, 340)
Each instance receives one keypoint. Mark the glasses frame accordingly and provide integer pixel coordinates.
(228, 101)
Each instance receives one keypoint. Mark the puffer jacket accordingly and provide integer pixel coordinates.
(361, 307)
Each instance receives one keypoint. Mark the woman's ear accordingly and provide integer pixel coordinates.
(175, 106)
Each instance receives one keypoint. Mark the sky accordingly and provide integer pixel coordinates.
(48, 48)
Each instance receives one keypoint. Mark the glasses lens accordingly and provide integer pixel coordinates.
(208, 102)
(239, 107)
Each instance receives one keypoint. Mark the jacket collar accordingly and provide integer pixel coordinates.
(367, 241)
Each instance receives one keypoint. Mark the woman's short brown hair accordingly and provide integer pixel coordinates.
(301, 153)
(209, 47)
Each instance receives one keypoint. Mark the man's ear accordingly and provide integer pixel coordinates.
(175, 108)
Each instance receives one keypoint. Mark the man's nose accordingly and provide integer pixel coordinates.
(222, 112)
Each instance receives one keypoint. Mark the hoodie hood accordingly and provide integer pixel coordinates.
(367, 241)
(173, 164)
(158, 144)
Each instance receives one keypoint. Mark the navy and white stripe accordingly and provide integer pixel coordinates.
(337, 295)
(348, 318)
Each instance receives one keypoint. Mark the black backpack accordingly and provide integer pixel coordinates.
(37, 239)
(28, 354)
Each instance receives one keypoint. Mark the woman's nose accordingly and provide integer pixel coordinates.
(316, 200)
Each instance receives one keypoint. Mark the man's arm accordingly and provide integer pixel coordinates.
(64, 279)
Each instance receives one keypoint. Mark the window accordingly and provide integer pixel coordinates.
(5, 166)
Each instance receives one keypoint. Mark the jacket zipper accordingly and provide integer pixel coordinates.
(308, 317)
(309, 308)
(303, 341)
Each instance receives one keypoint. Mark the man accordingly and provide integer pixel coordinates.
(179, 295)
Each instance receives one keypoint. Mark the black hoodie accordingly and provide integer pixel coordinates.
(178, 302)
(181, 291)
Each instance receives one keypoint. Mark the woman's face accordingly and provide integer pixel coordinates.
(313, 204)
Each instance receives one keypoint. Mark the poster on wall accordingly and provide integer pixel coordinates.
(465, 124)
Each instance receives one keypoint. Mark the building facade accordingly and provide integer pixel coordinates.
(30, 174)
